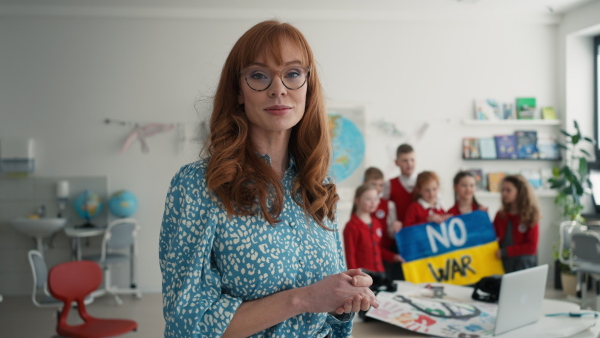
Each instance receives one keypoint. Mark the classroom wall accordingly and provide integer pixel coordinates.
(62, 75)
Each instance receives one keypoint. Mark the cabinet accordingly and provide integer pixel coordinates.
(536, 170)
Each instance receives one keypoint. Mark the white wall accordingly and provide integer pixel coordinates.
(62, 75)
(576, 69)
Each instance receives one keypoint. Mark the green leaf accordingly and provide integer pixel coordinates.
(564, 132)
(555, 171)
(585, 152)
(575, 138)
(583, 167)
(576, 127)
(560, 145)
(590, 140)
(558, 183)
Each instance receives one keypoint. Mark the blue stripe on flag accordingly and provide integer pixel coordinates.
(457, 233)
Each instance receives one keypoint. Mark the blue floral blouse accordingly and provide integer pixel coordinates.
(211, 264)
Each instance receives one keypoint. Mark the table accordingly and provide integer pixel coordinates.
(540, 329)
(76, 234)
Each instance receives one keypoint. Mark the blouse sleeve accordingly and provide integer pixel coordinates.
(194, 304)
(341, 326)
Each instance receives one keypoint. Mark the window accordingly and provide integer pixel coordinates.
(597, 94)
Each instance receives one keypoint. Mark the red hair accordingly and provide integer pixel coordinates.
(422, 179)
(237, 175)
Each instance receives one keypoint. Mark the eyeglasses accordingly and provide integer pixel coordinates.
(261, 78)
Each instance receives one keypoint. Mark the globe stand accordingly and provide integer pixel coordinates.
(86, 225)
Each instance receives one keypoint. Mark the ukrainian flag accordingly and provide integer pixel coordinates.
(459, 251)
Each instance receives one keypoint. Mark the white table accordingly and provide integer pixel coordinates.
(76, 234)
(378, 329)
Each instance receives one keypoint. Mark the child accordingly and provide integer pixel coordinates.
(516, 224)
(426, 207)
(386, 210)
(464, 194)
(399, 189)
(362, 235)
(386, 215)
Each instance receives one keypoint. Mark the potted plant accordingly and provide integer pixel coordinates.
(571, 180)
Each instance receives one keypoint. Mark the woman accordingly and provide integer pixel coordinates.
(249, 243)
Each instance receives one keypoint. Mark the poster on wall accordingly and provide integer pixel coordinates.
(459, 251)
(347, 130)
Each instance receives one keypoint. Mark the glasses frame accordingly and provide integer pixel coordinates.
(243, 71)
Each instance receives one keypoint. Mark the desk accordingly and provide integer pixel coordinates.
(76, 234)
(378, 329)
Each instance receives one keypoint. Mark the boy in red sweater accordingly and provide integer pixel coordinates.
(516, 224)
(399, 191)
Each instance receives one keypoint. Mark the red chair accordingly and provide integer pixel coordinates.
(72, 282)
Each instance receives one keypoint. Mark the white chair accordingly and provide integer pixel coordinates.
(118, 246)
(40, 295)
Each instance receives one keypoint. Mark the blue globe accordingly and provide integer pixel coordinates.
(122, 203)
(87, 205)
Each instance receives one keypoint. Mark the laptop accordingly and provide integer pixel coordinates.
(521, 298)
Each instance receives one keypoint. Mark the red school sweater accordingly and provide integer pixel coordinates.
(361, 244)
(455, 211)
(525, 240)
(417, 214)
(382, 212)
(400, 196)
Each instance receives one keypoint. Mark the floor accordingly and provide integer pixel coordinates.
(19, 318)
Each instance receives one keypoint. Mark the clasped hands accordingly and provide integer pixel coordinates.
(344, 292)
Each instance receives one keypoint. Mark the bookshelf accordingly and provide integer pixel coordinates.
(534, 169)
(538, 192)
(511, 123)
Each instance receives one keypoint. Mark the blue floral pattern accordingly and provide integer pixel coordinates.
(211, 263)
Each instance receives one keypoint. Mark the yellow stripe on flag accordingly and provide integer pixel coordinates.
(460, 267)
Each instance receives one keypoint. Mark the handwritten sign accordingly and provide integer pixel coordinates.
(459, 251)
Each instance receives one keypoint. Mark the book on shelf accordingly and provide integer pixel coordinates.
(547, 146)
(526, 108)
(471, 147)
(494, 181)
(505, 146)
(487, 148)
(487, 109)
(480, 181)
(548, 113)
(508, 111)
(534, 177)
(526, 142)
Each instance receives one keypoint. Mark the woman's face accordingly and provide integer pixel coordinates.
(509, 193)
(368, 201)
(429, 191)
(465, 189)
(276, 109)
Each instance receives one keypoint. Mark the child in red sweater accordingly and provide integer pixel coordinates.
(362, 235)
(516, 224)
(426, 207)
(464, 194)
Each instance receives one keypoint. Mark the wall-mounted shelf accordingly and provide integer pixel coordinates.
(539, 193)
(514, 123)
(512, 159)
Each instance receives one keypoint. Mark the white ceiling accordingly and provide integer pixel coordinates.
(514, 6)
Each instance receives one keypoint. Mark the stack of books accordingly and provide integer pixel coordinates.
(523, 108)
(523, 144)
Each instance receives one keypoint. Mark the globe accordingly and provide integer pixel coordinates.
(87, 205)
(348, 146)
(122, 203)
